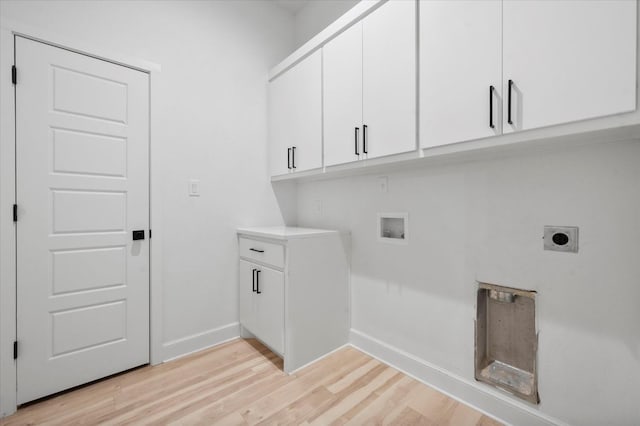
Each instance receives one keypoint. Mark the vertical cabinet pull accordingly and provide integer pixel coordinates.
(289, 158)
(258, 281)
(491, 89)
(509, 103)
(356, 140)
(364, 139)
(293, 157)
(253, 276)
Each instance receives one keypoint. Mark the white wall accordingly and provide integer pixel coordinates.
(316, 15)
(208, 122)
(483, 221)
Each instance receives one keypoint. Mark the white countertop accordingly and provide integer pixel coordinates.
(285, 232)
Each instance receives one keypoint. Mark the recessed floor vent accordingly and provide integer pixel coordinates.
(506, 340)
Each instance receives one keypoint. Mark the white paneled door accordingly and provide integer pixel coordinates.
(82, 188)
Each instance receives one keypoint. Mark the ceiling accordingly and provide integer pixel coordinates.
(292, 6)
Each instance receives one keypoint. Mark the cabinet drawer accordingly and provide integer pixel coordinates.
(269, 253)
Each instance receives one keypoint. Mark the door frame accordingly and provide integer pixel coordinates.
(8, 266)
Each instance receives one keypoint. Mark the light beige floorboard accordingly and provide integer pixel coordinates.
(242, 383)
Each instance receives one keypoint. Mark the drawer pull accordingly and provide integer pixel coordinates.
(364, 139)
(257, 250)
(491, 89)
(509, 103)
(293, 157)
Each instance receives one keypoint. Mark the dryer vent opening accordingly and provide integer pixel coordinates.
(506, 340)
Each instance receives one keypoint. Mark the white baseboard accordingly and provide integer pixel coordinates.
(197, 342)
(488, 401)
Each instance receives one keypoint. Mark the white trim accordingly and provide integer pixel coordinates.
(8, 401)
(8, 28)
(353, 15)
(156, 263)
(187, 345)
(49, 37)
(480, 397)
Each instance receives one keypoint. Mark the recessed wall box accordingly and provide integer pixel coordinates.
(561, 238)
(393, 228)
(506, 340)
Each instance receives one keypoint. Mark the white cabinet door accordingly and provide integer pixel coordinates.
(460, 70)
(295, 118)
(342, 69)
(568, 60)
(269, 313)
(247, 285)
(389, 79)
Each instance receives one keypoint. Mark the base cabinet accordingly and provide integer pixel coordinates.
(294, 291)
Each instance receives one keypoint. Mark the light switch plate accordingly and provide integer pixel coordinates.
(383, 183)
(194, 188)
(561, 238)
(317, 207)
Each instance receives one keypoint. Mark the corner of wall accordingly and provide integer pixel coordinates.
(286, 193)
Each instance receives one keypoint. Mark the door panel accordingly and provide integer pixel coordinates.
(295, 108)
(82, 187)
(569, 60)
(342, 74)
(389, 79)
(84, 153)
(456, 75)
(75, 92)
(75, 329)
(105, 267)
(87, 211)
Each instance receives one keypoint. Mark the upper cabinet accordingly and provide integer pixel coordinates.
(389, 79)
(568, 60)
(460, 70)
(295, 117)
(342, 91)
(369, 86)
(491, 67)
(489, 71)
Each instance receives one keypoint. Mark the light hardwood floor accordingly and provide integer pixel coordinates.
(241, 382)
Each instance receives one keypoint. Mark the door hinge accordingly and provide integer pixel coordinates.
(15, 212)
(15, 350)
(14, 74)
